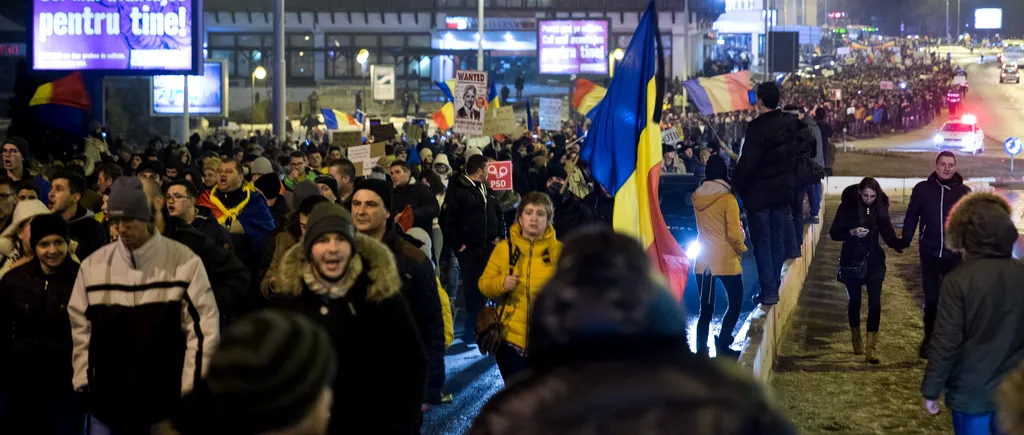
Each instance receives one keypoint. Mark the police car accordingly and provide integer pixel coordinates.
(1010, 73)
(962, 134)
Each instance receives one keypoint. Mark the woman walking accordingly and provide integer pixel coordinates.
(863, 217)
(721, 236)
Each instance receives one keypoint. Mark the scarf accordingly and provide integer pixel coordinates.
(221, 212)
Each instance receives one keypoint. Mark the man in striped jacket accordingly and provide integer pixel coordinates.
(143, 319)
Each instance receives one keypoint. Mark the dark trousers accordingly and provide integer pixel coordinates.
(796, 209)
(510, 362)
(734, 293)
(933, 271)
(472, 261)
(767, 231)
(853, 290)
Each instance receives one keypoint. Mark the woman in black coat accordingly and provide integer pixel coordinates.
(863, 218)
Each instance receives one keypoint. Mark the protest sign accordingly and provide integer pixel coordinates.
(887, 85)
(471, 100)
(346, 139)
(835, 94)
(383, 131)
(550, 114)
(670, 136)
(500, 120)
(499, 175)
(828, 73)
(365, 157)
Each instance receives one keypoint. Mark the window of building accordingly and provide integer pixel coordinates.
(339, 63)
(221, 40)
(229, 56)
(300, 40)
(391, 41)
(301, 64)
(420, 41)
(339, 40)
(364, 41)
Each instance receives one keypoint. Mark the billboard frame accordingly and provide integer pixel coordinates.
(225, 87)
(198, 38)
(607, 44)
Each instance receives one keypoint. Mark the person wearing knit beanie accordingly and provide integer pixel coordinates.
(328, 187)
(45, 225)
(382, 188)
(128, 200)
(261, 166)
(271, 372)
(302, 190)
(327, 218)
(269, 185)
(51, 252)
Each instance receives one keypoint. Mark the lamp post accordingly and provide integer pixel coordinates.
(616, 57)
(259, 73)
(362, 57)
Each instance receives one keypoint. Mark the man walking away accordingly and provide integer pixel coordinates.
(764, 180)
(930, 203)
(143, 319)
(979, 332)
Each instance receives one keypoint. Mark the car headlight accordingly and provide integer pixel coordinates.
(938, 139)
(693, 250)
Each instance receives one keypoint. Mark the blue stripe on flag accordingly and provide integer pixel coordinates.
(330, 120)
(699, 96)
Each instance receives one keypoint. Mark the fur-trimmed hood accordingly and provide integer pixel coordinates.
(377, 260)
(980, 225)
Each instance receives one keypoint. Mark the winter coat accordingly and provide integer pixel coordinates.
(229, 278)
(90, 234)
(143, 324)
(600, 206)
(534, 262)
(828, 146)
(570, 214)
(419, 287)
(207, 224)
(95, 149)
(764, 175)
(853, 214)
(470, 215)
(423, 203)
(930, 203)
(818, 154)
(276, 249)
(979, 328)
(382, 364)
(719, 230)
(35, 349)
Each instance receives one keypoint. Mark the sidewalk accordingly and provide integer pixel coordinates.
(822, 385)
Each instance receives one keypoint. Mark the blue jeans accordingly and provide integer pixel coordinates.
(768, 228)
(814, 196)
(975, 424)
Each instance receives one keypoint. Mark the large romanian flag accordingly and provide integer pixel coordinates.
(445, 118)
(587, 95)
(719, 94)
(623, 149)
(63, 103)
(334, 119)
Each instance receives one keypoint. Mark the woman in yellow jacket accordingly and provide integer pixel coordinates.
(515, 273)
(722, 244)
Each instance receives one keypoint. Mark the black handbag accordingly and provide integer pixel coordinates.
(855, 272)
(490, 333)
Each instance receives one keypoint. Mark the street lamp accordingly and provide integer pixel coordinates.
(259, 73)
(362, 57)
(617, 55)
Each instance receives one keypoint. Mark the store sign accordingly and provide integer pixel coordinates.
(140, 35)
(573, 46)
(207, 93)
(470, 23)
(383, 82)
(12, 50)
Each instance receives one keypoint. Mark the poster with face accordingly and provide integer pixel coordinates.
(470, 101)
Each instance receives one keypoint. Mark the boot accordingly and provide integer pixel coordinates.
(858, 344)
(869, 350)
(702, 345)
(722, 349)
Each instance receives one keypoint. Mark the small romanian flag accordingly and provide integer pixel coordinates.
(719, 94)
(445, 118)
(335, 119)
(587, 95)
(63, 103)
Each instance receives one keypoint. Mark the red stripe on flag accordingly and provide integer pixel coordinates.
(664, 250)
(70, 91)
(738, 92)
(583, 87)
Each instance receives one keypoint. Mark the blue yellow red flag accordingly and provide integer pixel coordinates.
(623, 149)
(335, 119)
(720, 94)
(444, 118)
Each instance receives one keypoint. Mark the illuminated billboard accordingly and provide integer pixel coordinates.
(988, 18)
(136, 36)
(207, 93)
(573, 46)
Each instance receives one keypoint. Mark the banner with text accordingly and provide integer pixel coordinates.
(471, 100)
(550, 114)
(499, 175)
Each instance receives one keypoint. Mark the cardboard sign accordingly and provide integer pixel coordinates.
(479, 142)
(887, 85)
(670, 137)
(470, 101)
(413, 132)
(499, 175)
(843, 51)
(383, 131)
(346, 139)
(828, 73)
(501, 120)
(365, 157)
(550, 114)
(835, 94)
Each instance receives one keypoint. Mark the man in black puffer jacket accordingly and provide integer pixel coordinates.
(930, 203)
(764, 180)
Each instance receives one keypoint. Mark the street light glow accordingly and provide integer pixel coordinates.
(260, 73)
(363, 56)
(618, 54)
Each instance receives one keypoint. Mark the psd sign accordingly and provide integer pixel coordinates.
(499, 175)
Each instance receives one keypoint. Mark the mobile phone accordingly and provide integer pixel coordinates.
(104, 134)
(752, 97)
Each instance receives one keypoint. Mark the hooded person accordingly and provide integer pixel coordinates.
(14, 241)
(273, 191)
(36, 349)
(613, 340)
(443, 168)
(979, 327)
(348, 283)
(272, 373)
(722, 241)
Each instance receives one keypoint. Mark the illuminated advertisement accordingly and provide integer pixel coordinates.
(990, 18)
(114, 35)
(572, 46)
(207, 94)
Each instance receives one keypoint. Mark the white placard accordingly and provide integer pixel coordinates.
(670, 137)
(828, 73)
(886, 85)
(835, 94)
(383, 77)
(470, 101)
(550, 114)
(359, 153)
(843, 51)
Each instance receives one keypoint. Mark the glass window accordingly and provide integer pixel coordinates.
(248, 60)
(424, 66)
(365, 41)
(222, 40)
(250, 41)
(339, 63)
(339, 40)
(300, 63)
(391, 41)
(295, 41)
(422, 41)
(386, 59)
(228, 55)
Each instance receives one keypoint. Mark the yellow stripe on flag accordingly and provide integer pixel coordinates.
(632, 211)
(43, 95)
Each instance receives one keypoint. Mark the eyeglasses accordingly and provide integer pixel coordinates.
(10, 151)
(174, 197)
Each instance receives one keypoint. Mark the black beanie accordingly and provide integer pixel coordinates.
(327, 218)
(269, 185)
(329, 181)
(45, 225)
(382, 188)
(267, 374)
(715, 169)
(21, 144)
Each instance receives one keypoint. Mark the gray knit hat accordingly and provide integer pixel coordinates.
(128, 200)
(327, 218)
(302, 190)
(262, 166)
